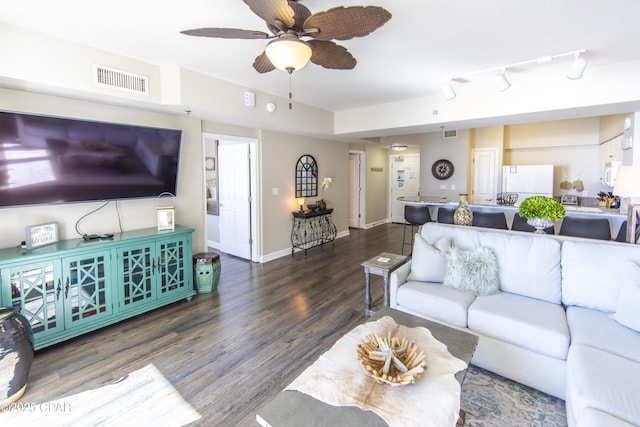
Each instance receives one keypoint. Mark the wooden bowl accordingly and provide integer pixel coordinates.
(391, 360)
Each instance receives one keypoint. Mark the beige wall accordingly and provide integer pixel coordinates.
(433, 146)
(377, 185)
(572, 146)
(280, 152)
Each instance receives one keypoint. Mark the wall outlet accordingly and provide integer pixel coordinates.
(453, 186)
(274, 191)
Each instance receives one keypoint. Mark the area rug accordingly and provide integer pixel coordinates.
(491, 400)
(143, 397)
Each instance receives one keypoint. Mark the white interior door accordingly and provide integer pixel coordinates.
(235, 199)
(354, 190)
(484, 175)
(404, 181)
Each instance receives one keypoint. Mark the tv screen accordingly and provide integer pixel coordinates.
(47, 160)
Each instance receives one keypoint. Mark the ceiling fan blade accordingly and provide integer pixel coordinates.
(262, 64)
(226, 33)
(301, 14)
(331, 55)
(344, 23)
(276, 13)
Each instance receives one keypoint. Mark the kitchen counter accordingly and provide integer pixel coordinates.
(434, 202)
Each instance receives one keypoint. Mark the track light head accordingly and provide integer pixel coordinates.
(448, 92)
(501, 82)
(577, 68)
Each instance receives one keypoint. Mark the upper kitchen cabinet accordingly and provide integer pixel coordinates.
(611, 150)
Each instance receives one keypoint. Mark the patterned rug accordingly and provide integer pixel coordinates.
(491, 400)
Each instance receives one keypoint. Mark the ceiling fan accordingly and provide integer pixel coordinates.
(298, 36)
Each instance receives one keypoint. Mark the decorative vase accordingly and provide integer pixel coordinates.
(16, 355)
(463, 215)
(540, 224)
(322, 205)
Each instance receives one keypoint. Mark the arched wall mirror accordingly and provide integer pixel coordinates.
(306, 176)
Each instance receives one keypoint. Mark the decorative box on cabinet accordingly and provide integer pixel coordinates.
(73, 286)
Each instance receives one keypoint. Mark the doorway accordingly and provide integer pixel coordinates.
(357, 169)
(404, 181)
(238, 198)
(484, 175)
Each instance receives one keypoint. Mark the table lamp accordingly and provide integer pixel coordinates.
(627, 186)
(301, 203)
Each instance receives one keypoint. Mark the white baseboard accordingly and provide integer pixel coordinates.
(287, 252)
(376, 223)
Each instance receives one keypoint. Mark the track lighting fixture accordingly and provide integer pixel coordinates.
(502, 83)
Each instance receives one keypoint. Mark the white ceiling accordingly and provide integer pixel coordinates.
(411, 56)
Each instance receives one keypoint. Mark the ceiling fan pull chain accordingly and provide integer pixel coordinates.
(290, 70)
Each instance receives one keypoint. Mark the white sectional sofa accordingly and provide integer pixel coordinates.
(559, 314)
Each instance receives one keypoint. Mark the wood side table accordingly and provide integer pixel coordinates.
(380, 265)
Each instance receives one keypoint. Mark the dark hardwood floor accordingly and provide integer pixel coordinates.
(230, 351)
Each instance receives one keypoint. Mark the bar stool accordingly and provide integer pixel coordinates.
(592, 228)
(490, 220)
(414, 216)
(445, 216)
(520, 224)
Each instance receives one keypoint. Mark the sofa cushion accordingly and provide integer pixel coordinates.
(596, 329)
(602, 381)
(528, 264)
(428, 262)
(435, 301)
(591, 272)
(628, 307)
(533, 324)
(474, 271)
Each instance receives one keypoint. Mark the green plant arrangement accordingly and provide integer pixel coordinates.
(542, 207)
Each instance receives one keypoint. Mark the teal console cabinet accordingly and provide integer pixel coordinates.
(73, 286)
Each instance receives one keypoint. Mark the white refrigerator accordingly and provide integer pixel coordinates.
(527, 180)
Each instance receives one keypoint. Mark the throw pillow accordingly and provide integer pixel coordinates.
(628, 309)
(427, 261)
(474, 271)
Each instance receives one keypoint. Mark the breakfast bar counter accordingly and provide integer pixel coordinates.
(435, 202)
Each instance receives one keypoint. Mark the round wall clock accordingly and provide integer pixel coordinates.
(442, 169)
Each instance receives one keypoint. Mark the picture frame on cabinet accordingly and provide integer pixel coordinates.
(41, 235)
(166, 218)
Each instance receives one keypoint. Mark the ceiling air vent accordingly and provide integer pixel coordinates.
(106, 76)
(450, 133)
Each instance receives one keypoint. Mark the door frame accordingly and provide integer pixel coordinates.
(255, 208)
(496, 171)
(362, 171)
(392, 197)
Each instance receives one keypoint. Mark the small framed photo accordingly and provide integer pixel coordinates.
(166, 218)
(41, 235)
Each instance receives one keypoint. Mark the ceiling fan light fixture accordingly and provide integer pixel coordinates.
(288, 53)
(448, 92)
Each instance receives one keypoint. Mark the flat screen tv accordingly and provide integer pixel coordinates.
(46, 160)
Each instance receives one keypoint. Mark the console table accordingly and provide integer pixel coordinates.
(74, 286)
(311, 229)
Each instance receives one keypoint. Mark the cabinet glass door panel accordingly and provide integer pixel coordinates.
(137, 266)
(36, 292)
(86, 281)
(171, 266)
